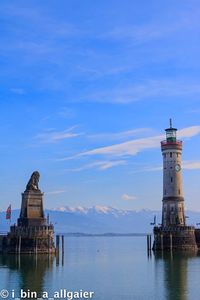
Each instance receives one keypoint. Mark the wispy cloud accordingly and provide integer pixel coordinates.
(18, 91)
(189, 132)
(100, 165)
(57, 192)
(139, 34)
(127, 197)
(194, 111)
(66, 112)
(145, 90)
(110, 164)
(127, 148)
(159, 28)
(41, 21)
(143, 169)
(186, 165)
(37, 36)
(133, 147)
(55, 136)
(191, 165)
(104, 70)
(119, 135)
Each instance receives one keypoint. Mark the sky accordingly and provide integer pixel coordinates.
(86, 91)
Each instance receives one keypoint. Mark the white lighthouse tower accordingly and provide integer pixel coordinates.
(173, 234)
(173, 201)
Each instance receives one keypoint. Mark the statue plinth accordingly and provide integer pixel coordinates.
(32, 213)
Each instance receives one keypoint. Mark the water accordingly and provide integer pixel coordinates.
(115, 268)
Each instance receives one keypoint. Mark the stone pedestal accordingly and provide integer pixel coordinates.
(32, 213)
(175, 238)
(31, 239)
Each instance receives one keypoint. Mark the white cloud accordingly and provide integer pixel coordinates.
(135, 146)
(158, 29)
(138, 34)
(150, 89)
(100, 165)
(66, 112)
(55, 192)
(147, 169)
(127, 148)
(186, 165)
(189, 132)
(128, 197)
(119, 135)
(110, 164)
(191, 165)
(194, 111)
(55, 136)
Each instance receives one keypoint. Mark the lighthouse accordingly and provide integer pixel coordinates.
(173, 233)
(173, 200)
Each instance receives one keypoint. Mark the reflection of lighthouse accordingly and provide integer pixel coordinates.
(173, 232)
(173, 201)
(175, 270)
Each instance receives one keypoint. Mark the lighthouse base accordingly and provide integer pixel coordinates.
(175, 238)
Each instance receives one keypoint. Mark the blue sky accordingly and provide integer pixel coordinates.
(86, 91)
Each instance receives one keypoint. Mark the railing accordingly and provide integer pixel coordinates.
(173, 229)
(165, 142)
(33, 231)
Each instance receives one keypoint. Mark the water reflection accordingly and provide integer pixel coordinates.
(114, 268)
(30, 270)
(174, 268)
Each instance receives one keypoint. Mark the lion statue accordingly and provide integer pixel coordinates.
(33, 182)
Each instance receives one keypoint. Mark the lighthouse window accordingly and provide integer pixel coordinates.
(179, 192)
(170, 154)
(177, 154)
(171, 179)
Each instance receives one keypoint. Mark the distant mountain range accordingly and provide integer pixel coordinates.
(100, 219)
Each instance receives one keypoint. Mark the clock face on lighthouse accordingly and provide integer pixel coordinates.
(177, 167)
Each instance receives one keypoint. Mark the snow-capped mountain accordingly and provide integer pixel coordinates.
(91, 210)
(100, 219)
(96, 219)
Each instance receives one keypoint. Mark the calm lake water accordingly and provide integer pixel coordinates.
(115, 268)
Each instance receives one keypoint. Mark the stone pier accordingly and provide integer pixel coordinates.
(175, 238)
